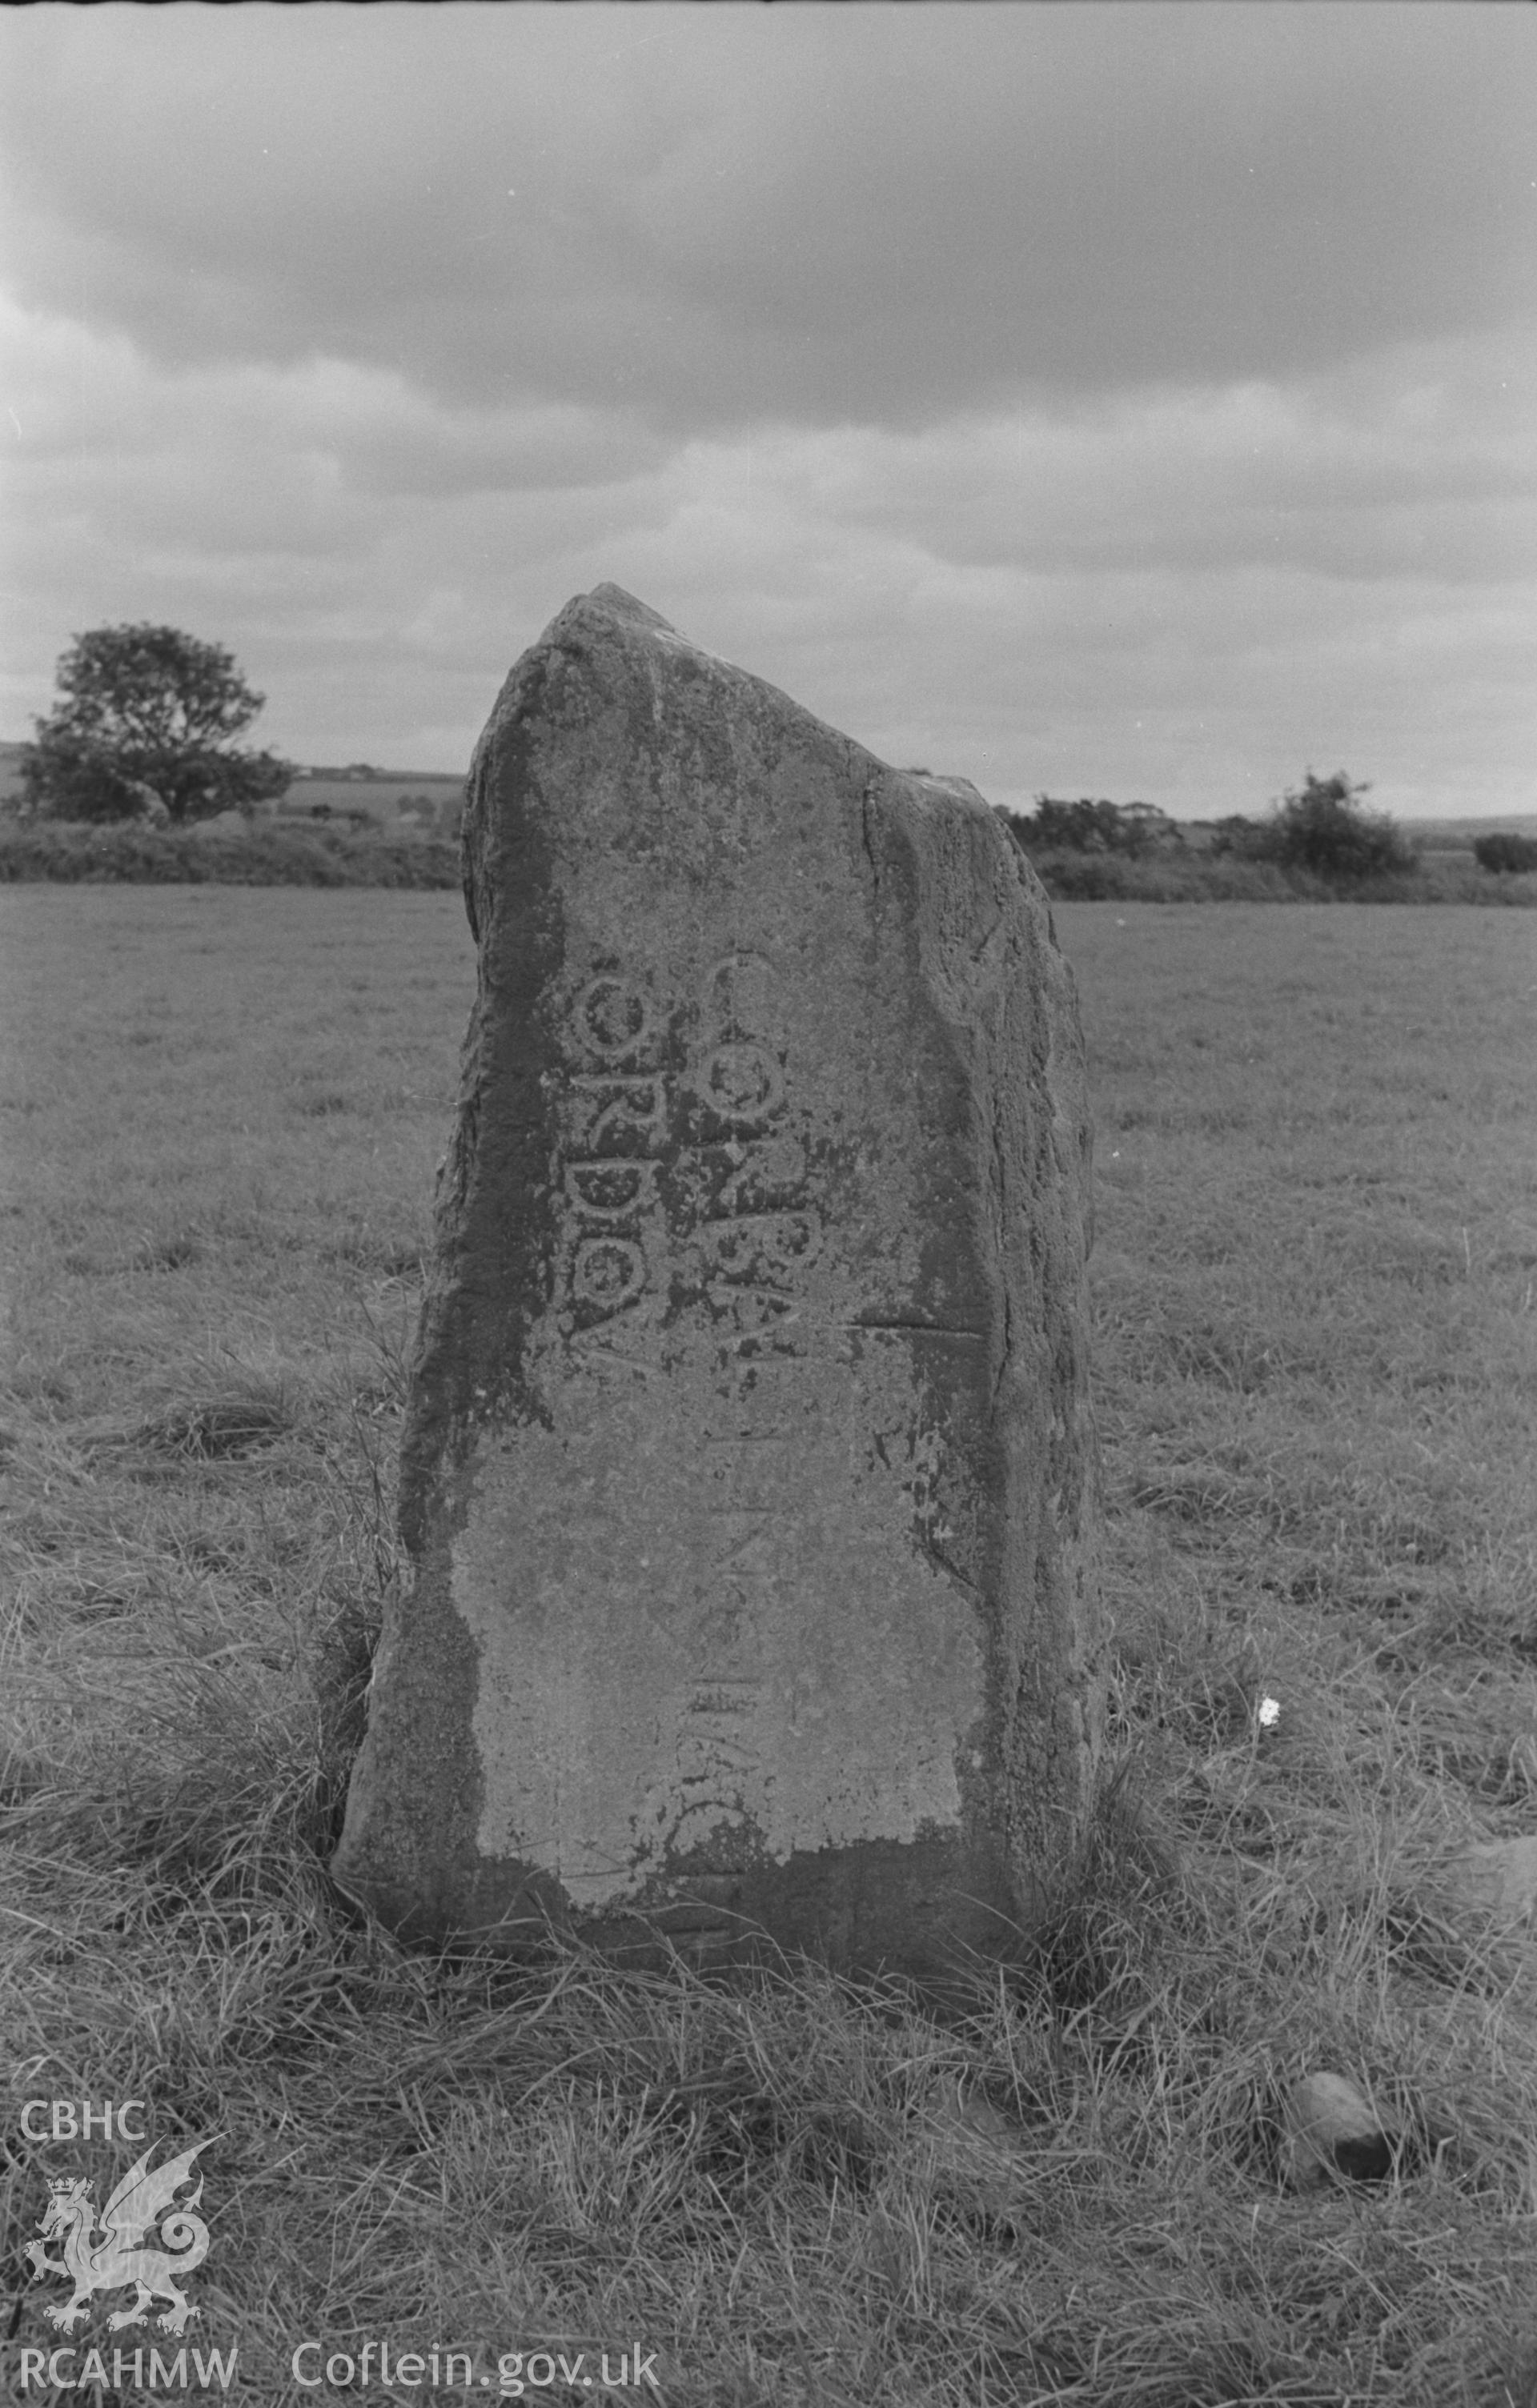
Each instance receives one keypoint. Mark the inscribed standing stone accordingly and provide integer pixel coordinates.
(748, 1489)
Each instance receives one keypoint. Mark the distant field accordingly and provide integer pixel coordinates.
(1316, 1363)
(1458, 835)
(381, 796)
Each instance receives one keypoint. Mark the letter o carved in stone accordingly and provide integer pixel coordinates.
(741, 1083)
(611, 1019)
(607, 1272)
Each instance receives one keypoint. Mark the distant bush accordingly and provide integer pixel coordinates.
(1321, 826)
(1242, 840)
(1505, 855)
(262, 854)
(1131, 829)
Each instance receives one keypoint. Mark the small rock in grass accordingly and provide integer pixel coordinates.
(1503, 1875)
(1331, 2130)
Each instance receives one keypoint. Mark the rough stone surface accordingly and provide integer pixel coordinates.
(748, 1488)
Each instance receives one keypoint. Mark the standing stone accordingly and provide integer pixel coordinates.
(748, 1491)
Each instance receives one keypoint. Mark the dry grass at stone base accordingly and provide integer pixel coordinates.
(1313, 1296)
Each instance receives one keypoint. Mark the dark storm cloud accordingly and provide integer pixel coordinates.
(711, 218)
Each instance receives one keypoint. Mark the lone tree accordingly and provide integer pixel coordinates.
(147, 727)
(1321, 826)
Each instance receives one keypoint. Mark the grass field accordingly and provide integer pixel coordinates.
(1313, 1290)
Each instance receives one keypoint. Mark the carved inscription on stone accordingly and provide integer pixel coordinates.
(738, 1215)
(615, 1117)
(686, 1221)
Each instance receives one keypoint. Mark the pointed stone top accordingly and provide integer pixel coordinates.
(961, 789)
(620, 605)
(615, 608)
(608, 613)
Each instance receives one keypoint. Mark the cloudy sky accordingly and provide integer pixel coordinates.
(1133, 400)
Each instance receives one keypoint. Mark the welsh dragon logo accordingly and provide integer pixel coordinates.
(113, 2262)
